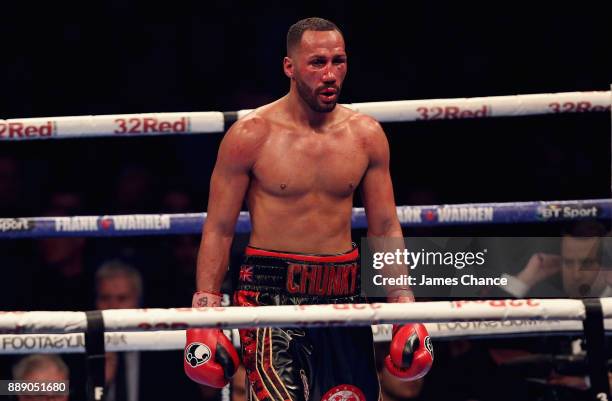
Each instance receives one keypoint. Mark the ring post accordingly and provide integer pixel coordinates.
(94, 349)
(596, 350)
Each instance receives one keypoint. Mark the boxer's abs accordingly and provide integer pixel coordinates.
(310, 224)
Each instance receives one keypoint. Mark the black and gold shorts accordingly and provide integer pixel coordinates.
(305, 364)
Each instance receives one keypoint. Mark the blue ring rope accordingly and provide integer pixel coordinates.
(409, 216)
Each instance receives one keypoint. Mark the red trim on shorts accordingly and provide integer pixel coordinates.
(349, 256)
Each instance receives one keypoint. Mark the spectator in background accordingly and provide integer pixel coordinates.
(41, 367)
(578, 271)
(119, 286)
(134, 375)
(63, 276)
(579, 266)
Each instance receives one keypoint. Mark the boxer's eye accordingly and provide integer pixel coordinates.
(318, 62)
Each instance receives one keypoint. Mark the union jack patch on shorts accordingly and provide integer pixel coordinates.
(246, 273)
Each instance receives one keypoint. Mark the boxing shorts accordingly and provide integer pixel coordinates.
(305, 364)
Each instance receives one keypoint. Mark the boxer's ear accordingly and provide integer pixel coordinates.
(288, 67)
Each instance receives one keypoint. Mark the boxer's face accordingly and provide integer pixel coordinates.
(318, 67)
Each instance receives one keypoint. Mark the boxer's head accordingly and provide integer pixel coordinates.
(316, 62)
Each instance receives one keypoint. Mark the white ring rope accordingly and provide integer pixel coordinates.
(308, 315)
(175, 339)
(392, 111)
(491, 106)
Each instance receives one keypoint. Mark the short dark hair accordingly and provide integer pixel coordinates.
(294, 35)
(585, 228)
(591, 228)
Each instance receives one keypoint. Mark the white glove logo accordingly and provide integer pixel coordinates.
(429, 345)
(197, 354)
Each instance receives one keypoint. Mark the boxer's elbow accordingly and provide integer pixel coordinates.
(385, 227)
(219, 229)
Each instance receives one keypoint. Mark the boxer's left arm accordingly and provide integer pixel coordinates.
(384, 230)
(411, 352)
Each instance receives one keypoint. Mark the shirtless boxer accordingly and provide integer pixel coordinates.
(297, 162)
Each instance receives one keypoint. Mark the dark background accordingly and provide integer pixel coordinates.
(122, 56)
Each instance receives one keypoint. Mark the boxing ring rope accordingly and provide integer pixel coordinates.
(391, 111)
(569, 313)
(156, 329)
(409, 216)
(175, 339)
(309, 315)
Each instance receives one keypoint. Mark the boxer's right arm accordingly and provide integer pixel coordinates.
(228, 185)
(210, 357)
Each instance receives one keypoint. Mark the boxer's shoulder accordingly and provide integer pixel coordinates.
(251, 124)
(267, 118)
(364, 124)
(250, 129)
(244, 140)
(366, 130)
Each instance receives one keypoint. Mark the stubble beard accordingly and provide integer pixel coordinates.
(311, 99)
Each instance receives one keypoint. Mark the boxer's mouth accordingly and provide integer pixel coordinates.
(329, 94)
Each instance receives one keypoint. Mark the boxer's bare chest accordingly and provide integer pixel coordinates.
(297, 163)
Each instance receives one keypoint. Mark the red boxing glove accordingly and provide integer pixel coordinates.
(411, 352)
(210, 357)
